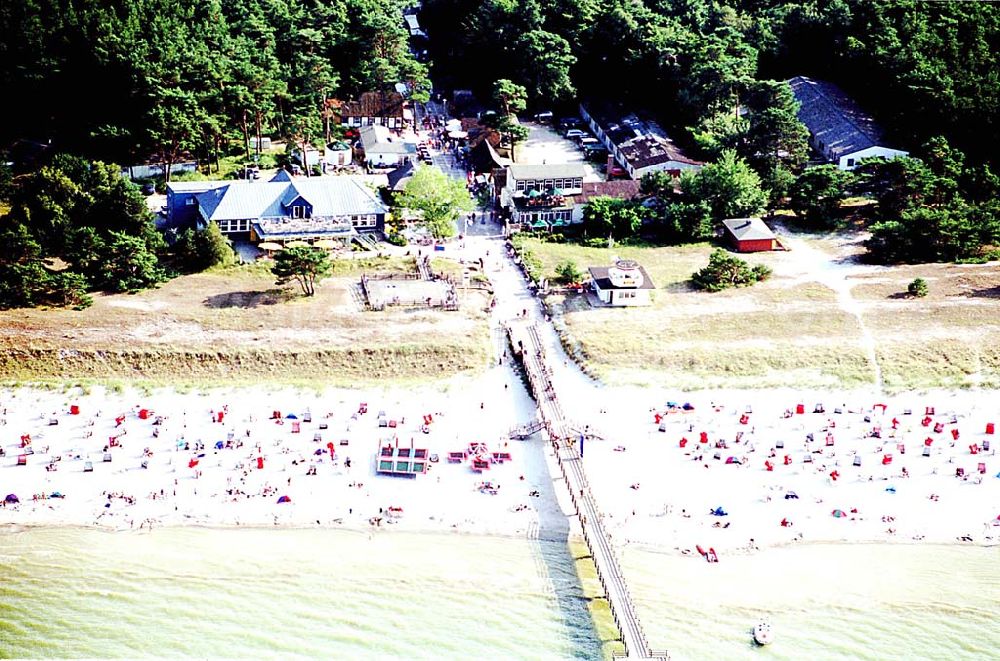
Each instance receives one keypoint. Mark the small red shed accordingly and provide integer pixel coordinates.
(749, 235)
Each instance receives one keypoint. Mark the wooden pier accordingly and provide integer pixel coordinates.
(527, 345)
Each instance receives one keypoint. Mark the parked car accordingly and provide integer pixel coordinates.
(566, 123)
(588, 141)
(597, 153)
(575, 133)
(544, 116)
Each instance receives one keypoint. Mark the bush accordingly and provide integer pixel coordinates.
(917, 288)
(569, 272)
(725, 271)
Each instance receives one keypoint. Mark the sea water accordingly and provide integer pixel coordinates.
(273, 593)
(277, 593)
(828, 601)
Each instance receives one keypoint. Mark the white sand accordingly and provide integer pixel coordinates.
(677, 487)
(447, 497)
(669, 509)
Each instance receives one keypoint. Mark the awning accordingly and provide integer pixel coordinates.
(267, 245)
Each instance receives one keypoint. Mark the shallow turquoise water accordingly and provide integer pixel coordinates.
(824, 602)
(278, 593)
(333, 594)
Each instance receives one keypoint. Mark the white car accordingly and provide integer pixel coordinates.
(575, 133)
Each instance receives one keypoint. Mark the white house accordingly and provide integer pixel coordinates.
(838, 128)
(639, 145)
(382, 149)
(625, 283)
(541, 196)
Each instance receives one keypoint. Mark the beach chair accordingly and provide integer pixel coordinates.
(107, 457)
(779, 444)
(323, 425)
(88, 467)
(981, 468)
(22, 460)
(926, 451)
(857, 460)
(53, 422)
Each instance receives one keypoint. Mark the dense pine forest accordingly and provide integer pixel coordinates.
(123, 80)
(922, 68)
(101, 82)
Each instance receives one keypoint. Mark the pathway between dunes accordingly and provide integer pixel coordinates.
(805, 263)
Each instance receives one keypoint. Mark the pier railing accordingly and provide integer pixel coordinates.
(526, 344)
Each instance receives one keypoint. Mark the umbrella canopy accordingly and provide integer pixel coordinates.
(284, 499)
(297, 244)
(12, 498)
(839, 514)
(326, 244)
(269, 245)
(453, 125)
(457, 135)
(534, 193)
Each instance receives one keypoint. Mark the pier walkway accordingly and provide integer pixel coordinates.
(526, 344)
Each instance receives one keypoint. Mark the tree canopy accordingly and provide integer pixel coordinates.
(301, 265)
(440, 198)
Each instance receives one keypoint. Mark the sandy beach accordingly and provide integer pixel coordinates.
(226, 458)
(658, 469)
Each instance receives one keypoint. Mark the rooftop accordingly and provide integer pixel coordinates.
(548, 171)
(748, 229)
(834, 118)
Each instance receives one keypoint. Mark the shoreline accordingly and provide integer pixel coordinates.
(527, 502)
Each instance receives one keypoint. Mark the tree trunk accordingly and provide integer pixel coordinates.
(305, 158)
(258, 122)
(246, 134)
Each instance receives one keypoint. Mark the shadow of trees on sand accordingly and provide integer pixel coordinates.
(248, 299)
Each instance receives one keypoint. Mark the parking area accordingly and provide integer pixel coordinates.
(545, 145)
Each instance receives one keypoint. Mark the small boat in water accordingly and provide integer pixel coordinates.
(763, 634)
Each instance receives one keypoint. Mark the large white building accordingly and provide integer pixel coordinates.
(838, 128)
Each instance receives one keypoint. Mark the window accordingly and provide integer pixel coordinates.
(577, 183)
(520, 185)
(850, 162)
(190, 201)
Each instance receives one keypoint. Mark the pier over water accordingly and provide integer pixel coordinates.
(526, 344)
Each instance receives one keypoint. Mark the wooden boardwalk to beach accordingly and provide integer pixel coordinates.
(526, 343)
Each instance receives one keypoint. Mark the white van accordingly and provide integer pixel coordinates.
(573, 134)
(589, 141)
(545, 116)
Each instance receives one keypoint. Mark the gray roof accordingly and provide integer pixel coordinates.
(748, 229)
(833, 118)
(548, 171)
(328, 196)
(599, 274)
(377, 139)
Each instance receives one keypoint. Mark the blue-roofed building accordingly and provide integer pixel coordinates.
(282, 209)
(838, 128)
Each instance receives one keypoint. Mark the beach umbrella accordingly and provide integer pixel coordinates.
(326, 244)
(284, 499)
(291, 416)
(839, 514)
(269, 245)
(453, 125)
(12, 498)
(297, 244)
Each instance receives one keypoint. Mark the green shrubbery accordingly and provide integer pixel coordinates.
(725, 271)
